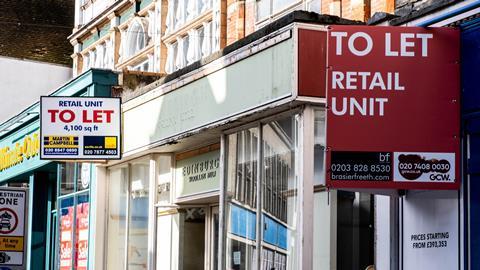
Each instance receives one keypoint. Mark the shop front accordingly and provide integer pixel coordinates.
(224, 166)
(60, 225)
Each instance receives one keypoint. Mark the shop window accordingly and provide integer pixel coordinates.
(241, 189)
(128, 197)
(83, 176)
(279, 194)
(138, 216)
(74, 216)
(74, 177)
(67, 176)
(279, 197)
(117, 218)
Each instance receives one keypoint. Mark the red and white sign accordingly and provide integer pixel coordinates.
(80, 128)
(66, 238)
(82, 236)
(393, 117)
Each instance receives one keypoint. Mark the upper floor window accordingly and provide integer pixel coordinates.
(136, 38)
(136, 49)
(266, 8)
(89, 9)
(99, 56)
(191, 32)
(271, 8)
(181, 12)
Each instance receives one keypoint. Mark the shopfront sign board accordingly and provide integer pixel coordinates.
(393, 108)
(13, 238)
(198, 174)
(76, 128)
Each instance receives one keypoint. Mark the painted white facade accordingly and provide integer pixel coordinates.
(23, 82)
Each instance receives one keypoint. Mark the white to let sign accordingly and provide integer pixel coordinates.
(430, 230)
(13, 204)
(80, 128)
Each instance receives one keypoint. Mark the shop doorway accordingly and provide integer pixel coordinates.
(355, 230)
(199, 240)
(193, 242)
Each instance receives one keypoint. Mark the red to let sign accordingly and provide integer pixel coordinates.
(393, 108)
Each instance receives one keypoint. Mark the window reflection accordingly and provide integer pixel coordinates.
(117, 207)
(279, 194)
(138, 218)
(67, 172)
(242, 189)
(279, 184)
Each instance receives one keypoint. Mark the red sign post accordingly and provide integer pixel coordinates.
(393, 108)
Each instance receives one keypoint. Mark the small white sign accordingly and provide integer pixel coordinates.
(13, 204)
(80, 128)
(430, 230)
(237, 255)
(424, 167)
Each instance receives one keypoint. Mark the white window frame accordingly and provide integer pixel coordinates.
(304, 172)
(151, 207)
(274, 15)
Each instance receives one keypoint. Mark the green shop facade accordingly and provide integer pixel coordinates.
(61, 210)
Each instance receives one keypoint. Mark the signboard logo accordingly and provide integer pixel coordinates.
(424, 167)
(80, 128)
(406, 126)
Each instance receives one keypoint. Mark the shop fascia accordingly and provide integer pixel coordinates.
(16, 153)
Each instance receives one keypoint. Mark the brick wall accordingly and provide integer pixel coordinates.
(387, 6)
(356, 9)
(235, 20)
(249, 16)
(37, 29)
(360, 10)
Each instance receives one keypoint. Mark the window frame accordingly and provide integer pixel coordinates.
(74, 194)
(304, 172)
(272, 15)
(151, 217)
